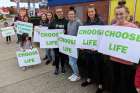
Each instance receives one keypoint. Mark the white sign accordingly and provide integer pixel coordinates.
(87, 37)
(37, 31)
(8, 31)
(67, 45)
(28, 57)
(121, 42)
(24, 27)
(49, 38)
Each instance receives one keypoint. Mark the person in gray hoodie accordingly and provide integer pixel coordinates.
(72, 29)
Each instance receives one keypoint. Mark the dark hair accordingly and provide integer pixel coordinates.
(122, 3)
(72, 10)
(42, 15)
(24, 36)
(137, 23)
(126, 8)
(59, 7)
(55, 16)
(51, 14)
(27, 17)
(96, 14)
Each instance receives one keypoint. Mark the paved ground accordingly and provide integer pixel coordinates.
(39, 79)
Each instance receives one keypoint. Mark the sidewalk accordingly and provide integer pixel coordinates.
(39, 79)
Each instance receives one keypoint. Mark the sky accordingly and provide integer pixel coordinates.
(5, 3)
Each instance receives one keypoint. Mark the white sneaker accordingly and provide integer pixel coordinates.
(75, 78)
(71, 77)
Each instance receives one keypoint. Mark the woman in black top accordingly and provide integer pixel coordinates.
(46, 20)
(92, 65)
(43, 21)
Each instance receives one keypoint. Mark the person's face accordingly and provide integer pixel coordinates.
(71, 16)
(120, 14)
(91, 13)
(26, 19)
(43, 17)
(49, 16)
(59, 13)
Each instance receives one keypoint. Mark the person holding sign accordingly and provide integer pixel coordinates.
(123, 71)
(59, 23)
(46, 20)
(25, 44)
(91, 58)
(72, 29)
(43, 21)
(19, 17)
(8, 38)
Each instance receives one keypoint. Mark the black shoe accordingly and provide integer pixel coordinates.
(53, 63)
(45, 58)
(99, 90)
(47, 62)
(63, 71)
(86, 83)
(56, 72)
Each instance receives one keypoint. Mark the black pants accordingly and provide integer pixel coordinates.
(98, 68)
(86, 64)
(60, 58)
(123, 78)
(8, 38)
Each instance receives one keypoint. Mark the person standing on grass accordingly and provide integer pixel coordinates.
(72, 29)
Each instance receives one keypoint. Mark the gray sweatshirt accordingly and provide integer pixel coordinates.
(73, 26)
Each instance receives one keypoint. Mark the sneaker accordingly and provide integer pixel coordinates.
(71, 77)
(75, 78)
(56, 72)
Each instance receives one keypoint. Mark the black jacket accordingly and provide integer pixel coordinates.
(58, 24)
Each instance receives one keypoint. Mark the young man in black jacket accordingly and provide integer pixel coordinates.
(59, 23)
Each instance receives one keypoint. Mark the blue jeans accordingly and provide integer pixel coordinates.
(50, 54)
(73, 64)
